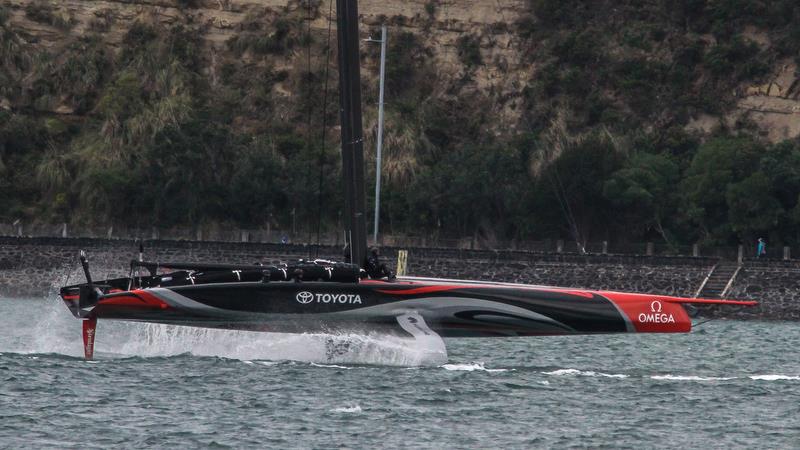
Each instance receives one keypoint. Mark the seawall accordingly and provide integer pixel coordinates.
(36, 266)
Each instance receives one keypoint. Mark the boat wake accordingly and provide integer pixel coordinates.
(584, 373)
(325, 350)
(670, 377)
(47, 329)
(471, 367)
(689, 378)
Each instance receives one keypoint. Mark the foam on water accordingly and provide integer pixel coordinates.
(584, 373)
(45, 327)
(774, 377)
(689, 378)
(332, 366)
(261, 399)
(354, 409)
(470, 367)
(51, 329)
(150, 340)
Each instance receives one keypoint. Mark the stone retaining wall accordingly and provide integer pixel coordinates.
(775, 283)
(36, 266)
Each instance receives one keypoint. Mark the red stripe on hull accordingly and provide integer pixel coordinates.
(137, 298)
(423, 290)
(452, 287)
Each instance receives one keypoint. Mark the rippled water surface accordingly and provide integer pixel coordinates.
(728, 384)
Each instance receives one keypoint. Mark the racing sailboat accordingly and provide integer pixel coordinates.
(327, 296)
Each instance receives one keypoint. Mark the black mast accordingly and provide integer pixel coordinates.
(352, 133)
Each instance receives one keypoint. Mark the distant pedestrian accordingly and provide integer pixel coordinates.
(761, 248)
(284, 239)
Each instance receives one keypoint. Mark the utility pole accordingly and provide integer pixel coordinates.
(382, 41)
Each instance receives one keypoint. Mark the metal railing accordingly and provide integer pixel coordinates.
(705, 281)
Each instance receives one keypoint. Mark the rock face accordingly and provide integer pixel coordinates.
(504, 72)
(39, 266)
(507, 67)
(775, 105)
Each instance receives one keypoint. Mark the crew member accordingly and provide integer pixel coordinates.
(346, 253)
(375, 268)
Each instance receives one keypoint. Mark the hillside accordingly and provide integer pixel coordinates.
(588, 120)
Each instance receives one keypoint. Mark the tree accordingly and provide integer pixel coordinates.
(718, 164)
(752, 209)
(572, 183)
(642, 192)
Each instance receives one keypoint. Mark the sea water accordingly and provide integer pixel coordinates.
(727, 384)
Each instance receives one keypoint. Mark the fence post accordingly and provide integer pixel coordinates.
(64, 230)
(695, 250)
(110, 232)
(650, 249)
(559, 246)
(245, 236)
(198, 234)
(19, 229)
(605, 247)
(740, 254)
(154, 234)
(787, 253)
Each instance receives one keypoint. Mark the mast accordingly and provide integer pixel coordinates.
(352, 133)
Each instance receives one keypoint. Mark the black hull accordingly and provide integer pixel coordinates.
(450, 308)
(318, 299)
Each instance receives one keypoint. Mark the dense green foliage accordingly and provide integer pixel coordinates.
(158, 131)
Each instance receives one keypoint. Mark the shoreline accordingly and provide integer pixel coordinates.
(33, 266)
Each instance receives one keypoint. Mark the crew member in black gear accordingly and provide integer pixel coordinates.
(375, 268)
(346, 252)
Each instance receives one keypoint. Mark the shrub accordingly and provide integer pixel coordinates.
(469, 50)
(637, 38)
(123, 98)
(138, 35)
(639, 80)
(526, 26)
(430, 8)
(736, 57)
(556, 13)
(408, 60)
(276, 42)
(788, 43)
(83, 72)
(44, 12)
(730, 16)
(578, 48)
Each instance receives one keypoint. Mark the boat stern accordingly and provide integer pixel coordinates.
(647, 313)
